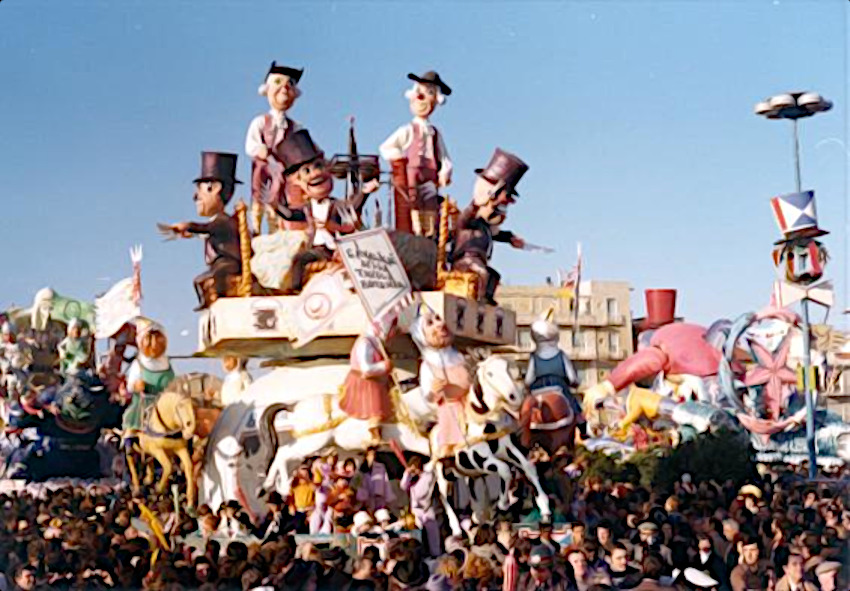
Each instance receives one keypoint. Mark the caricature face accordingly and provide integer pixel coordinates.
(436, 332)
(492, 203)
(281, 92)
(229, 363)
(423, 99)
(208, 198)
(153, 344)
(314, 178)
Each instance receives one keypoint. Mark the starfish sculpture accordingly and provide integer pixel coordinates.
(773, 373)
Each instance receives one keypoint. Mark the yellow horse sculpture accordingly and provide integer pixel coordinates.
(168, 430)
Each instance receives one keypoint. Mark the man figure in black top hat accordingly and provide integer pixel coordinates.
(478, 227)
(325, 217)
(213, 190)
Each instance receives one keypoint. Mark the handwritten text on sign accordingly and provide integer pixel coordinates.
(375, 269)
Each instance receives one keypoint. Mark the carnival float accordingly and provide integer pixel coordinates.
(380, 332)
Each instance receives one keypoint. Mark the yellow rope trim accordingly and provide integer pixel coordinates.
(244, 289)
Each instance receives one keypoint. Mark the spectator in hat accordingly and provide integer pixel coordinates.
(275, 523)
(541, 575)
(826, 573)
(649, 543)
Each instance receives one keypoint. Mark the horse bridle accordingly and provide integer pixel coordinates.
(478, 390)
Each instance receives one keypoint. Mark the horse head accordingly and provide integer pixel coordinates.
(176, 413)
(494, 387)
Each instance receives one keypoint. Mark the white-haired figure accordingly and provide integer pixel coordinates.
(419, 159)
(444, 380)
(75, 352)
(265, 134)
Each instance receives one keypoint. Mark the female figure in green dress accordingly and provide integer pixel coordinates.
(149, 374)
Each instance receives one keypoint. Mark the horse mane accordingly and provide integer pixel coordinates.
(478, 405)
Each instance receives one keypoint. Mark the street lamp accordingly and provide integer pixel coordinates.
(795, 106)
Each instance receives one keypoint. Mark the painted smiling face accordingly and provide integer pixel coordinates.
(314, 179)
(424, 98)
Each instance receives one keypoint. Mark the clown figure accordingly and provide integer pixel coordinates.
(75, 349)
(265, 134)
(149, 374)
(419, 159)
(444, 379)
(325, 217)
(479, 224)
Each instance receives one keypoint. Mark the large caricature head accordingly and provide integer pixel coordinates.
(214, 187)
(427, 92)
(150, 338)
(430, 330)
(544, 330)
(495, 186)
(281, 86)
(306, 166)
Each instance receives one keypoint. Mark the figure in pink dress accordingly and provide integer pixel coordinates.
(444, 379)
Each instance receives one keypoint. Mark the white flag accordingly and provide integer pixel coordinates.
(116, 307)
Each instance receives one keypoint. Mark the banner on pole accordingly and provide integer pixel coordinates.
(375, 269)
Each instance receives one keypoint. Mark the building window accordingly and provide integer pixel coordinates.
(584, 306)
(613, 343)
(525, 342)
(613, 307)
(565, 340)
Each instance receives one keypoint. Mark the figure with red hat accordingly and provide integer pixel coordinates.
(479, 224)
(670, 347)
(325, 217)
(213, 190)
(265, 133)
(419, 159)
(366, 391)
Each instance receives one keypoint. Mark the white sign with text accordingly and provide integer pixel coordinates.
(375, 268)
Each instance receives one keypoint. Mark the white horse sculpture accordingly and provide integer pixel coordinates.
(316, 422)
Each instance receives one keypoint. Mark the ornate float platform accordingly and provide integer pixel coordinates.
(262, 326)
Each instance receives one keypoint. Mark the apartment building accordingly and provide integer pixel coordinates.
(604, 334)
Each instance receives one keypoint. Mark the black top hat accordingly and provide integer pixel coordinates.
(294, 73)
(431, 77)
(296, 150)
(218, 166)
(275, 499)
(504, 168)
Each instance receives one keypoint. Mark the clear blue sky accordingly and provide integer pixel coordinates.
(635, 117)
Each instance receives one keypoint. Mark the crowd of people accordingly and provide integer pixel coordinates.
(777, 532)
